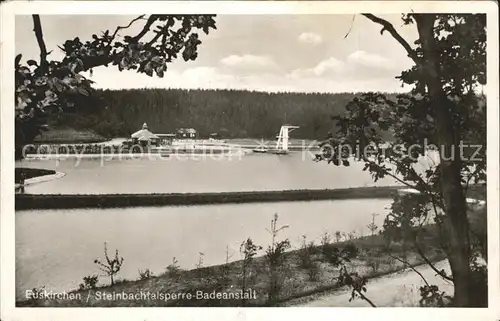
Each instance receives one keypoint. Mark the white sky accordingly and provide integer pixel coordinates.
(301, 53)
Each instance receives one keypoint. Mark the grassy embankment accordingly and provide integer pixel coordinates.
(306, 271)
(373, 260)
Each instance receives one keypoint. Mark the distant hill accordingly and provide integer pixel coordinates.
(231, 113)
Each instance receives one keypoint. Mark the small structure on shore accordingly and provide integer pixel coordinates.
(145, 137)
(214, 136)
(166, 139)
(186, 133)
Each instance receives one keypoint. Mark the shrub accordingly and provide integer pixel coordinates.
(275, 258)
(249, 250)
(355, 282)
(337, 256)
(37, 292)
(390, 261)
(313, 271)
(306, 252)
(173, 269)
(373, 263)
(326, 239)
(89, 282)
(199, 265)
(112, 266)
(122, 281)
(224, 276)
(432, 297)
(146, 274)
(338, 236)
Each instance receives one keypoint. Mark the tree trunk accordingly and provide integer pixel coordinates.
(456, 223)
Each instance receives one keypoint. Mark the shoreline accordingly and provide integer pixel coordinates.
(226, 278)
(41, 179)
(161, 151)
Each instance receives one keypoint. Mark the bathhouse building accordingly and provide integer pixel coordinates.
(145, 137)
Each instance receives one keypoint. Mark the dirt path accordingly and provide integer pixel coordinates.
(399, 289)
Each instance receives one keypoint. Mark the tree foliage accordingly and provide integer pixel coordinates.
(445, 114)
(45, 86)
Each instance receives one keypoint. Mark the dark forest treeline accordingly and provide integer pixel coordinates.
(231, 113)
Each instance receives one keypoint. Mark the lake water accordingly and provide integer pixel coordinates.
(56, 248)
(198, 174)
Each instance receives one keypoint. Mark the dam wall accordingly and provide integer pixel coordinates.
(67, 201)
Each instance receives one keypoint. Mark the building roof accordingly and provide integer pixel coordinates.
(147, 138)
(144, 134)
(187, 130)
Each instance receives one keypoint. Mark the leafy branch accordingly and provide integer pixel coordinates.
(356, 283)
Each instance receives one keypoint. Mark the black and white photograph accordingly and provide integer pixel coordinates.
(245, 155)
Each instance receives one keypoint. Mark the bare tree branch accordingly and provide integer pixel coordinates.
(440, 273)
(350, 28)
(387, 26)
(406, 263)
(37, 28)
(152, 18)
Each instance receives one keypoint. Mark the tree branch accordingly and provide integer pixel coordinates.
(127, 26)
(152, 18)
(440, 273)
(467, 183)
(92, 62)
(387, 26)
(366, 299)
(410, 266)
(350, 28)
(155, 38)
(426, 189)
(386, 172)
(37, 28)
(422, 189)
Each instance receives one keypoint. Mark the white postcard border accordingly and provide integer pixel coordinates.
(7, 217)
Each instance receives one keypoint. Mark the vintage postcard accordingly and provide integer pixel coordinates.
(257, 156)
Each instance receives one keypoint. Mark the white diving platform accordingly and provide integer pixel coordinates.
(283, 136)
